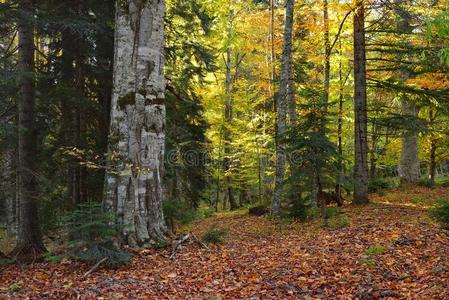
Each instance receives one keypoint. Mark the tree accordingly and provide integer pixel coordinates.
(228, 109)
(360, 132)
(137, 135)
(282, 108)
(29, 239)
(409, 165)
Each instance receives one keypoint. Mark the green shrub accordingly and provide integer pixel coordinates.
(176, 211)
(426, 182)
(442, 181)
(298, 210)
(214, 235)
(53, 258)
(375, 250)
(379, 184)
(208, 212)
(315, 213)
(91, 233)
(338, 221)
(440, 212)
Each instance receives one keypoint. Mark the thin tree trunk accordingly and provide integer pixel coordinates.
(340, 131)
(433, 149)
(316, 191)
(272, 56)
(327, 57)
(360, 113)
(7, 191)
(29, 240)
(134, 188)
(373, 152)
(282, 108)
(228, 112)
(291, 103)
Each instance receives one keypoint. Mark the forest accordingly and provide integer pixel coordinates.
(224, 149)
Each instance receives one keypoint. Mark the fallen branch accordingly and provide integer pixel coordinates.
(178, 245)
(200, 242)
(95, 267)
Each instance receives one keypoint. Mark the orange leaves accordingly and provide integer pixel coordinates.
(431, 81)
(264, 259)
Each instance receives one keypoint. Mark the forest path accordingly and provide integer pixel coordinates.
(389, 249)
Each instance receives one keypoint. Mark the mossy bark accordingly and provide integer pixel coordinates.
(137, 138)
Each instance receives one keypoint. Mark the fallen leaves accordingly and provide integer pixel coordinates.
(265, 259)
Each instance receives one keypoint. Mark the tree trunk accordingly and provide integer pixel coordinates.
(137, 133)
(228, 114)
(373, 151)
(433, 148)
(327, 57)
(409, 166)
(282, 108)
(340, 132)
(29, 240)
(433, 164)
(7, 191)
(291, 104)
(360, 145)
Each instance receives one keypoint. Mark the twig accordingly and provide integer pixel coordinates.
(200, 242)
(178, 244)
(95, 267)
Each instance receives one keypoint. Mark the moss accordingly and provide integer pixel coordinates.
(124, 4)
(128, 99)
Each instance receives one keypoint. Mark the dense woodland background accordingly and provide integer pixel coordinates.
(283, 107)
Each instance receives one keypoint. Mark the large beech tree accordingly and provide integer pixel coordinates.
(137, 134)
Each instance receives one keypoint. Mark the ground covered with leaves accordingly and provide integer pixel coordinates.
(389, 249)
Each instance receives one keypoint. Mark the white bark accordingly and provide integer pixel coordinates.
(282, 108)
(409, 166)
(137, 139)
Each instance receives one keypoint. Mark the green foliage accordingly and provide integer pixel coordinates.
(179, 212)
(426, 182)
(15, 287)
(207, 212)
(54, 258)
(440, 212)
(298, 209)
(379, 184)
(338, 221)
(214, 235)
(91, 233)
(6, 261)
(375, 250)
(311, 152)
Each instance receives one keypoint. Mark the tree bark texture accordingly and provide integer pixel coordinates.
(29, 240)
(360, 145)
(409, 166)
(282, 108)
(137, 132)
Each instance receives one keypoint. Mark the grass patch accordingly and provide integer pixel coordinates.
(375, 250)
(214, 235)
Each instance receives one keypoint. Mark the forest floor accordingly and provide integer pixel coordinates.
(389, 249)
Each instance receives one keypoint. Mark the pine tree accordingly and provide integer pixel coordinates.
(360, 133)
(29, 240)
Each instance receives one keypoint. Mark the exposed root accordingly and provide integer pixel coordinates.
(28, 253)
